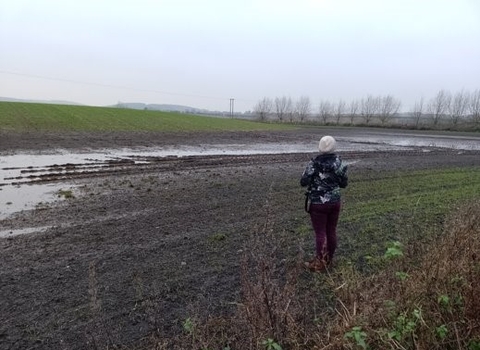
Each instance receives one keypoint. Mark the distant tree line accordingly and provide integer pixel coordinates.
(445, 109)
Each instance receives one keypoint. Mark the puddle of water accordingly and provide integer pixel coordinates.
(17, 170)
(410, 140)
(21, 168)
(15, 198)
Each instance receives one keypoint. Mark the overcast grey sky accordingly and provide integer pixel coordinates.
(202, 53)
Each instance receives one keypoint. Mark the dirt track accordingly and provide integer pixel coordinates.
(143, 246)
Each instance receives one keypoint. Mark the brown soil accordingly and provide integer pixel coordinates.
(142, 247)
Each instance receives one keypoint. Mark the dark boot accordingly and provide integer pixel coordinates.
(317, 264)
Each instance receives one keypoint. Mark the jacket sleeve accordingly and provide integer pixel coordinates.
(342, 176)
(307, 174)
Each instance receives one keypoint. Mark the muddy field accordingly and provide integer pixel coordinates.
(142, 246)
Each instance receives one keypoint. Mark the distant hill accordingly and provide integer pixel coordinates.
(53, 102)
(161, 107)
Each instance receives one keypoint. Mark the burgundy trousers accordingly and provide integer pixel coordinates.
(324, 221)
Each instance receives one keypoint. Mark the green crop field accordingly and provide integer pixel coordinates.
(397, 205)
(16, 116)
(404, 206)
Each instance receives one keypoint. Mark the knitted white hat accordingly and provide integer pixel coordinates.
(327, 144)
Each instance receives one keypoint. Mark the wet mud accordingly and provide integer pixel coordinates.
(141, 244)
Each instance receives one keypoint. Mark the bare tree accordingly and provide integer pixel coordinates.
(439, 105)
(325, 111)
(290, 110)
(369, 107)
(339, 110)
(388, 106)
(459, 106)
(417, 111)
(303, 107)
(263, 108)
(281, 107)
(353, 110)
(474, 106)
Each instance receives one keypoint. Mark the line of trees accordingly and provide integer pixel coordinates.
(444, 108)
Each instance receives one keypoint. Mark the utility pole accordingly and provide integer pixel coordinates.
(232, 104)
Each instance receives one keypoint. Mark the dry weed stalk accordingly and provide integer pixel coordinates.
(270, 305)
(452, 280)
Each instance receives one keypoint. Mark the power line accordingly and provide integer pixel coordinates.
(110, 86)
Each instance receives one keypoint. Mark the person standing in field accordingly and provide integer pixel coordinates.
(324, 175)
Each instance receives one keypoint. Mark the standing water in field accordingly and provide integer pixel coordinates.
(27, 181)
